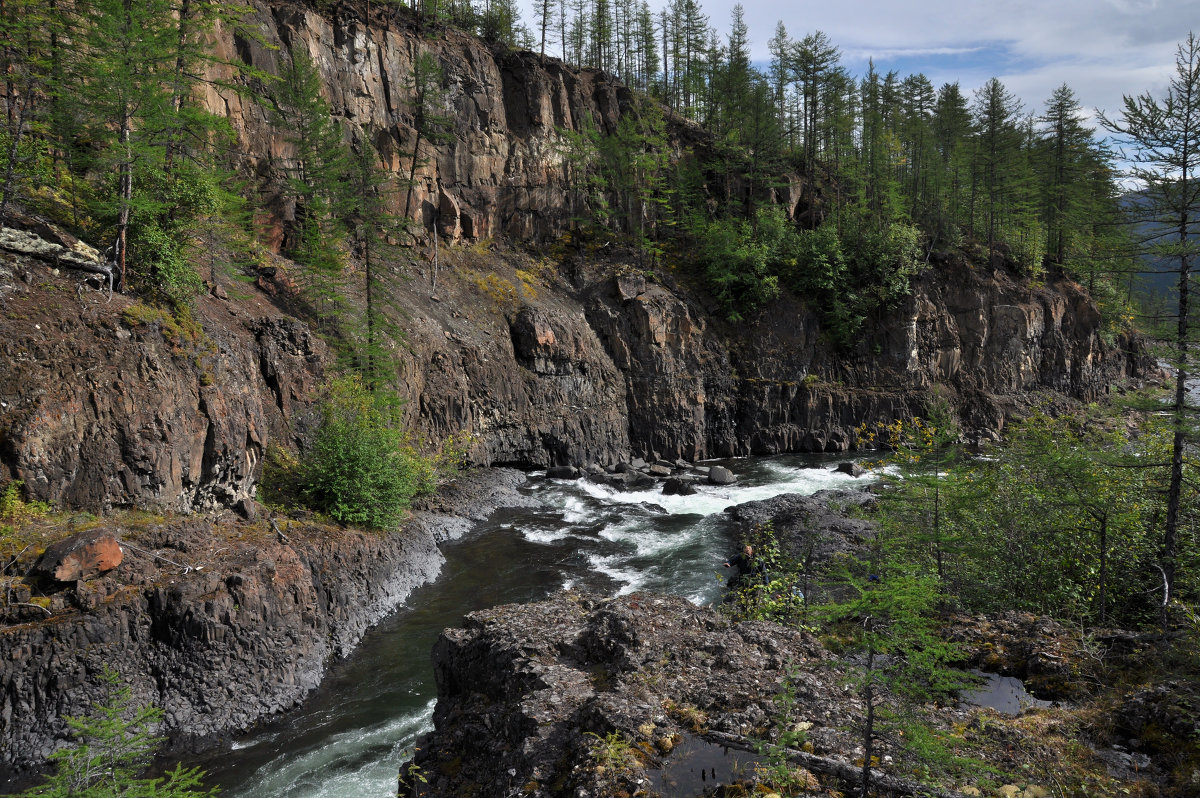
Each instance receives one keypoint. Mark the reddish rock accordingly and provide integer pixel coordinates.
(82, 556)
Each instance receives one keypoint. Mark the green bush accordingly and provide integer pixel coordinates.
(739, 260)
(359, 468)
(845, 276)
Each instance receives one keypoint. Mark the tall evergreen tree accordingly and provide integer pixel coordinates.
(996, 113)
(317, 168)
(1068, 149)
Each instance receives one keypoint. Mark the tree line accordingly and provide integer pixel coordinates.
(881, 158)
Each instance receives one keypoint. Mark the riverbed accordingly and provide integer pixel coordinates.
(351, 734)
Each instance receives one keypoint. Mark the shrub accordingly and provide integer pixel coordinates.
(359, 468)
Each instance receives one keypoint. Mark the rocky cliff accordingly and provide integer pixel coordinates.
(606, 360)
(572, 357)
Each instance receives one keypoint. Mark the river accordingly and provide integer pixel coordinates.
(349, 737)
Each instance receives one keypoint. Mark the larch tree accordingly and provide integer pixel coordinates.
(1162, 138)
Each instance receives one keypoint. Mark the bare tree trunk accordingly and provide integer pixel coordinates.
(1174, 489)
(125, 188)
(869, 726)
(10, 173)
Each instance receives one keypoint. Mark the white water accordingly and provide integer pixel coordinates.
(351, 735)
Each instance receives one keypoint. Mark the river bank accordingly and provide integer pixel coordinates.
(222, 622)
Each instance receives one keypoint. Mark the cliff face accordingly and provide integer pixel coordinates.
(577, 359)
(500, 174)
(606, 362)
(529, 380)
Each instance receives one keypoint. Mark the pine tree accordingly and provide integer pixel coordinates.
(1067, 146)
(371, 225)
(999, 139)
(430, 124)
(128, 62)
(27, 28)
(546, 11)
(952, 127)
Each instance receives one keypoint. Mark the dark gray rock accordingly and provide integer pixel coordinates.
(221, 635)
(851, 468)
(813, 530)
(562, 472)
(524, 691)
(678, 486)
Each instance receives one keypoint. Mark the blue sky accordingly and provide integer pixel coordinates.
(1101, 48)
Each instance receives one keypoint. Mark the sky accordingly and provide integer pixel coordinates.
(1102, 49)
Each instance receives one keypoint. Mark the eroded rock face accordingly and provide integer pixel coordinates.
(502, 173)
(108, 404)
(596, 363)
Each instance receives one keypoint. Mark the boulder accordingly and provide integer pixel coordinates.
(853, 469)
(562, 472)
(638, 481)
(80, 557)
(660, 470)
(720, 475)
(677, 486)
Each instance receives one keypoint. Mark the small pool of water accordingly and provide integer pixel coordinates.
(697, 765)
(1005, 694)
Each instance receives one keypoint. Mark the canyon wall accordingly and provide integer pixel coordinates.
(583, 355)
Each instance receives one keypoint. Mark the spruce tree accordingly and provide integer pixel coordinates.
(115, 744)
(999, 139)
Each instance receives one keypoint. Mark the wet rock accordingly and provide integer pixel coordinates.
(813, 530)
(223, 628)
(851, 468)
(659, 470)
(720, 475)
(678, 486)
(562, 472)
(525, 691)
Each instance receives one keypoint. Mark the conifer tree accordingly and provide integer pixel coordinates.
(430, 124)
(1163, 140)
(371, 226)
(996, 118)
(115, 744)
(316, 169)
